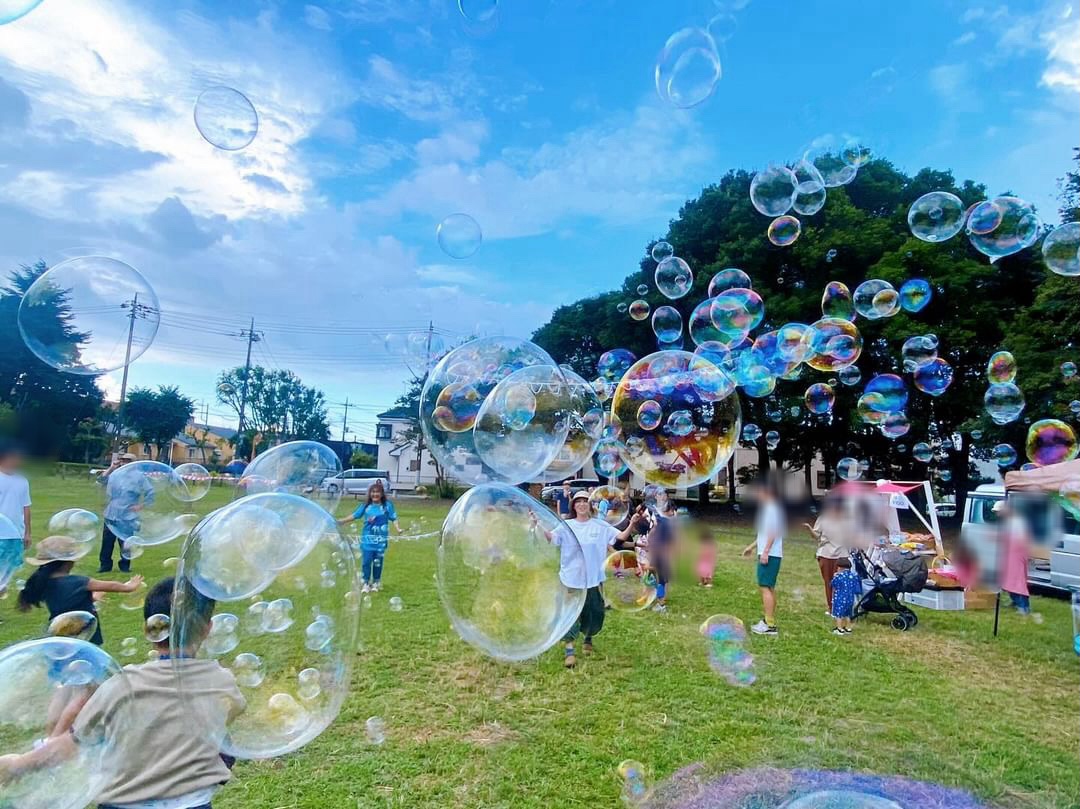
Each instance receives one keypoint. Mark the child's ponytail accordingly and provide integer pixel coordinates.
(34, 592)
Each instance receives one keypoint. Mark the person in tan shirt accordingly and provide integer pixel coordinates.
(171, 759)
(831, 532)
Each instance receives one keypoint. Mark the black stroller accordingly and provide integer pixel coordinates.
(895, 572)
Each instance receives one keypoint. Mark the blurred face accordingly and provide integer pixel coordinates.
(377, 493)
(11, 462)
(581, 507)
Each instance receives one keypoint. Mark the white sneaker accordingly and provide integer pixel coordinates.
(659, 608)
(365, 589)
(762, 628)
(376, 587)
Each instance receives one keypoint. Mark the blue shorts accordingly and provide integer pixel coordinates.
(11, 559)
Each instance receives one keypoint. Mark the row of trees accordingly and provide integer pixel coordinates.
(977, 308)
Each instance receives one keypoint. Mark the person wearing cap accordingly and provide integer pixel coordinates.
(1015, 548)
(586, 570)
(53, 583)
(118, 507)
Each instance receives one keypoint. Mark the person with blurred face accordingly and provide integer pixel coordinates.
(769, 546)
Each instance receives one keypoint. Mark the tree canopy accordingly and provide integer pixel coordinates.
(157, 416)
(279, 407)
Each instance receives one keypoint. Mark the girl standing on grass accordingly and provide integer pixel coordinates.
(377, 514)
(53, 584)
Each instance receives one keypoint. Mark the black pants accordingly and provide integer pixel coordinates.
(591, 620)
(108, 539)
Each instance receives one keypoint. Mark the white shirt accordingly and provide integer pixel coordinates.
(14, 497)
(585, 567)
(770, 523)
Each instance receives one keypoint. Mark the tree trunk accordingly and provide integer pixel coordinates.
(764, 469)
(731, 479)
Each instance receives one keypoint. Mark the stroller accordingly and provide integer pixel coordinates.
(893, 573)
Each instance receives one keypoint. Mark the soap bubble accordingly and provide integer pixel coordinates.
(886, 303)
(649, 415)
(678, 381)
(226, 118)
(248, 670)
(667, 324)
(834, 344)
(915, 294)
(751, 433)
(735, 312)
(841, 799)
(702, 329)
(585, 421)
(922, 452)
(375, 730)
(610, 503)
(75, 523)
(395, 604)
(828, 162)
(809, 189)
(478, 11)
(303, 468)
(867, 293)
(895, 425)
(511, 574)
(11, 10)
(628, 586)
(1003, 402)
(773, 190)
(523, 423)
(661, 251)
(608, 458)
(639, 310)
(635, 788)
(94, 298)
(42, 680)
(1001, 367)
(784, 230)
(725, 639)
(643, 289)
(849, 469)
(145, 503)
(77, 624)
(479, 365)
(936, 217)
(830, 255)
(918, 351)
(836, 302)
(1061, 249)
(933, 378)
(688, 68)
(273, 546)
(819, 398)
(983, 217)
(1068, 370)
(730, 278)
(1004, 455)
(891, 388)
(1050, 441)
(851, 375)
(156, 628)
(196, 480)
(129, 647)
(674, 278)
(459, 235)
(869, 408)
(622, 307)
(1017, 229)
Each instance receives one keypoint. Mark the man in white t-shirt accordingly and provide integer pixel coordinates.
(14, 514)
(769, 545)
(585, 569)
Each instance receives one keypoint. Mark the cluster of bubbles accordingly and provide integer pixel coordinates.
(725, 639)
(421, 348)
(1003, 400)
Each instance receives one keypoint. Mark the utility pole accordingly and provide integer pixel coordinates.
(252, 337)
(136, 311)
(345, 421)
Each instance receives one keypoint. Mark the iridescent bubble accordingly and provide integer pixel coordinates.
(915, 294)
(75, 624)
(226, 118)
(792, 343)
(678, 381)
(895, 425)
(934, 377)
(1061, 249)
(674, 278)
(936, 217)
(725, 638)
(855, 153)
(836, 301)
(1017, 229)
(773, 190)
(851, 375)
(869, 408)
(784, 230)
(145, 503)
(614, 363)
(1050, 441)
(688, 68)
(621, 307)
(1068, 369)
(667, 324)
(649, 415)
(1001, 367)
(295, 467)
(751, 433)
(94, 298)
(610, 503)
(456, 408)
(736, 311)
(892, 390)
(1003, 402)
(983, 217)
(643, 289)
(849, 469)
(886, 303)
(459, 235)
(834, 343)
(917, 351)
(730, 278)
(819, 398)
(196, 480)
(608, 458)
(922, 452)
(864, 299)
(825, 156)
(772, 439)
(639, 310)
(1004, 455)
(661, 252)
(809, 189)
(628, 585)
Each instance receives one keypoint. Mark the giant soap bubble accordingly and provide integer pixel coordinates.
(226, 118)
(585, 422)
(936, 217)
(511, 574)
(75, 523)
(146, 503)
(79, 315)
(834, 343)
(700, 393)
(1013, 226)
(42, 680)
(1061, 249)
(688, 68)
(773, 190)
(285, 588)
(296, 467)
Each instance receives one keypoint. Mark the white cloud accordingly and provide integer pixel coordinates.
(317, 18)
(1062, 42)
(964, 39)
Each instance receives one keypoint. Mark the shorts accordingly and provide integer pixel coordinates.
(11, 559)
(767, 573)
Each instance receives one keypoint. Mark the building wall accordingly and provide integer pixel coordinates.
(402, 466)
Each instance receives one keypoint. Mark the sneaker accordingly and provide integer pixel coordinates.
(587, 649)
(376, 587)
(846, 631)
(708, 584)
(104, 570)
(366, 588)
(838, 631)
(659, 608)
(762, 628)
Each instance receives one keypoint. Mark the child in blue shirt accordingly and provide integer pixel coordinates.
(846, 586)
(377, 514)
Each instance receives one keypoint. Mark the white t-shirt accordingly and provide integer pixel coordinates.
(585, 568)
(770, 523)
(14, 497)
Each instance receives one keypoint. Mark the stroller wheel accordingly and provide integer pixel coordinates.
(913, 619)
(900, 622)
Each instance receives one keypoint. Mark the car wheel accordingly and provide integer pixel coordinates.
(332, 488)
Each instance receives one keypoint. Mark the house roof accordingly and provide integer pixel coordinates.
(397, 413)
(228, 433)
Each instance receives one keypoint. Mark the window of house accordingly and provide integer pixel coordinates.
(191, 452)
(145, 449)
(384, 432)
(414, 465)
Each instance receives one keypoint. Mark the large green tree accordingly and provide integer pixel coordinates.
(279, 406)
(158, 416)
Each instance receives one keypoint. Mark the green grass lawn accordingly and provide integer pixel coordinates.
(946, 702)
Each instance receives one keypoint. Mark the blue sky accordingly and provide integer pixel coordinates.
(381, 117)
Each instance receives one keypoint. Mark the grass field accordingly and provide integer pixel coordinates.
(946, 702)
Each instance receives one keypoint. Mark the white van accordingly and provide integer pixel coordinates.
(355, 481)
(1055, 559)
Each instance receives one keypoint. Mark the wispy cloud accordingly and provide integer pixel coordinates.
(964, 39)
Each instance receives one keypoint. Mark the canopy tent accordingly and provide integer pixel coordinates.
(1043, 478)
(896, 492)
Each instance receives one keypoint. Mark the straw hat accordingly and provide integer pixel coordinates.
(57, 549)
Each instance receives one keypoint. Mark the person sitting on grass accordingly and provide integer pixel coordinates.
(171, 759)
(53, 583)
(846, 586)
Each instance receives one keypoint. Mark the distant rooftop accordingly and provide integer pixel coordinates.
(397, 413)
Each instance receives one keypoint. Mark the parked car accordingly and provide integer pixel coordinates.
(355, 481)
(576, 485)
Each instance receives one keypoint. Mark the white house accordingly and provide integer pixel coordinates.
(397, 452)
